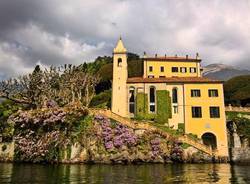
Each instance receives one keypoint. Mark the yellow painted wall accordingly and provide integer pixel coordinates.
(199, 126)
(168, 68)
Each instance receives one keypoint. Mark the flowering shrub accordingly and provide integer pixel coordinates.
(39, 148)
(39, 134)
(176, 152)
(115, 137)
(155, 146)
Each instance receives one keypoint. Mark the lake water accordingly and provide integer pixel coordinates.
(148, 173)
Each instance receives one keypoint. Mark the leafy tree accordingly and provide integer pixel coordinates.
(64, 85)
(7, 108)
(103, 99)
(237, 90)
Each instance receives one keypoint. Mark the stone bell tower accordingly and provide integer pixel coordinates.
(119, 84)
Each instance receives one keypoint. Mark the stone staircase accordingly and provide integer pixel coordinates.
(140, 125)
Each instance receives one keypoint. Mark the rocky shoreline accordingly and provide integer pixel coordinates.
(109, 142)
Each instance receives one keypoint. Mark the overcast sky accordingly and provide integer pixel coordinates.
(55, 32)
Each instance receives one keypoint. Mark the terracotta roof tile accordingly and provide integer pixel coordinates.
(172, 80)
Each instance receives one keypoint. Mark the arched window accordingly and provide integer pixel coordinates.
(119, 62)
(152, 99)
(174, 95)
(132, 100)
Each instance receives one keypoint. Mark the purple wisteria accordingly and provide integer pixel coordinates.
(176, 152)
(155, 146)
(116, 136)
(36, 148)
(39, 134)
(49, 118)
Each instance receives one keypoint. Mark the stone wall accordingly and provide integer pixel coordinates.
(240, 155)
(237, 109)
(6, 151)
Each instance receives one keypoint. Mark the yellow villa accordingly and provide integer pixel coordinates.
(171, 91)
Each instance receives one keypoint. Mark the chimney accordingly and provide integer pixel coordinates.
(186, 57)
(197, 56)
(176, 55)
(165, 55)
(155, 55)
(144, 55)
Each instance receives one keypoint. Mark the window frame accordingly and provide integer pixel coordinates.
(194, 68)
(174, 95)
(214, 114)
(175, 109)
(194, 112)
(132, 92)
(216, 92)
(194, 90)
(151, 76)
(119, 62)
(150, 68)
(175, 71)
(185, 69)
(152, 103)
(162, 68)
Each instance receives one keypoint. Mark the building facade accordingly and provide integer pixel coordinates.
(173, 92)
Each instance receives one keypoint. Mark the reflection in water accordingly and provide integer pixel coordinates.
(148, 173)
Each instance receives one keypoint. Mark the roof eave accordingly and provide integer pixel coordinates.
(173, 59)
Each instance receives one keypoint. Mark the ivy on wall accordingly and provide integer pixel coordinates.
(181, 127)
(142, 107)
(164, 110)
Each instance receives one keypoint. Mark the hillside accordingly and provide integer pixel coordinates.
(237, 90)
(105, 70)
(135, 68)
(222, 71)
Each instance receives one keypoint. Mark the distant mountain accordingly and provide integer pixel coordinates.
(223, 72)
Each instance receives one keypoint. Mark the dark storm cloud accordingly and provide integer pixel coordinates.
(53, 32)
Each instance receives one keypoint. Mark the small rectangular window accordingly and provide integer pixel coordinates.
(162, 76)
(152, 99)
(151, 76)
(196, 112)
(152, 108)
(175, 109)
(162, 68)
(192, 70)
(174, 69)
(150, 68)
(214, 112)
(120, 62)
(213, 93)
(195, 93)
(183, 69)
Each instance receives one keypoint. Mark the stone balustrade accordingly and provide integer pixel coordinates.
(237, 109)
